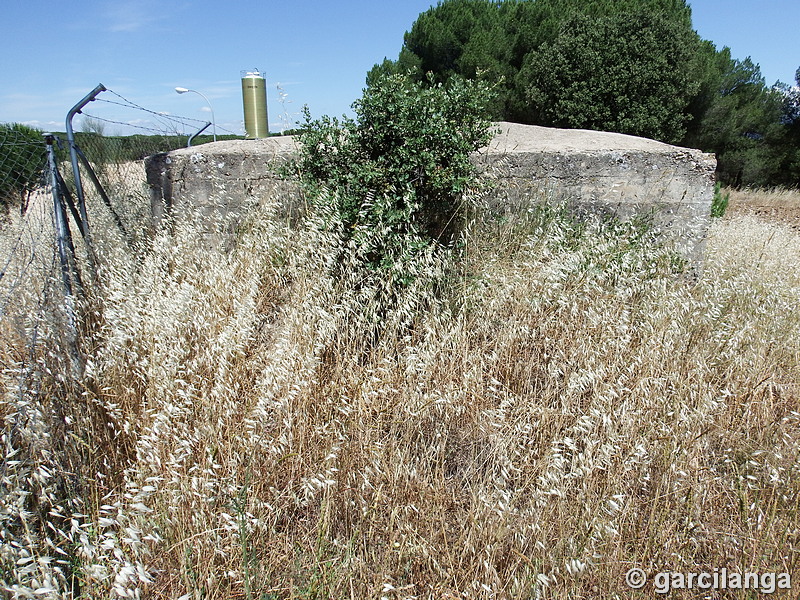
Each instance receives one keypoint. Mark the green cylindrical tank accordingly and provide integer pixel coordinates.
(254, 96)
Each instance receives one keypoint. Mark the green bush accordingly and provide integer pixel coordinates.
(719, 203)
(22, 162)
(390, 181)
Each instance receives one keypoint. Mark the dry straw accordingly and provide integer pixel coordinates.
(530, 424)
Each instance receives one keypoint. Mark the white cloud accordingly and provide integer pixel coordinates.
(129, 16)
(44, 125)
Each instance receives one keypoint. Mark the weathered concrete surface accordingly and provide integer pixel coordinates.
(596, 171)
(225, 177)
(607, 173)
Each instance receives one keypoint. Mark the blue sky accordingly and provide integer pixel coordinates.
(319, 51)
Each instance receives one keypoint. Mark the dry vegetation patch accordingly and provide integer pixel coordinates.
(559, 409)
(777, 205)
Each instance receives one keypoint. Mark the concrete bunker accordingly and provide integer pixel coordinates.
(616, 174)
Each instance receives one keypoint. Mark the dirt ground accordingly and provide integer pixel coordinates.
(777, 206)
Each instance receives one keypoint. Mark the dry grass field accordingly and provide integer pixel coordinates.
(777, 205)
(534, 423)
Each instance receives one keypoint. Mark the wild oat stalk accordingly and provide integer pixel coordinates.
(564, 409)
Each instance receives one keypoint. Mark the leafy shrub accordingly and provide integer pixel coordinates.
(22, 161)
(390, 181)
(719, 203)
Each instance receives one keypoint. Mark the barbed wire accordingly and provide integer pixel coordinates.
(29, 238)
(152, 130)
(128, 104)
(161, 116)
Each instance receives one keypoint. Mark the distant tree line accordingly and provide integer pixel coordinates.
(100, 148)
(22, 161)
(23, 155)
(630, 66)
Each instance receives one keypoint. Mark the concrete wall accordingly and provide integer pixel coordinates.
(607, 173)
(595, 171)
(221, 176)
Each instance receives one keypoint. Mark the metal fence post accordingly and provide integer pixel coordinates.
(196, 133)
(84, 225)
(66, 255)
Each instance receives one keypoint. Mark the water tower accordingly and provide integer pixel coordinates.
(254, 96)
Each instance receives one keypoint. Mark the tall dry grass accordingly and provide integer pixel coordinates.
(778, 205)
(532, 424)
(777, 197)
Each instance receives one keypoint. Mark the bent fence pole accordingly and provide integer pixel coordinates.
(66, 251)
(84, 225)
(196, 133)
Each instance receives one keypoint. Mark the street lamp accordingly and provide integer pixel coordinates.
(183, 90)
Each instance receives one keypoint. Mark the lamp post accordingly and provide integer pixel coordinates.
(183, 90)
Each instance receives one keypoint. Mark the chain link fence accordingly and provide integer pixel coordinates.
(22, 165)
(70, 206)
(26, 243)
(31, 327)
(100, 184)
(50, 209)
(58, 230)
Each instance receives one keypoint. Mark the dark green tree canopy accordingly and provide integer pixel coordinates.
(631, 66)
(22, 163)
(628, 72)
(745, 124)
(513, 42)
